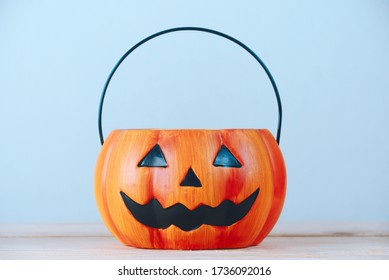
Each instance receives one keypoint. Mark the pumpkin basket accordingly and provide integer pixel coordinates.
(190, 188)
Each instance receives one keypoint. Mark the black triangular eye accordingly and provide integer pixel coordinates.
(154, 158)
(225, 158)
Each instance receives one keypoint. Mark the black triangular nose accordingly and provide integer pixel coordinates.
(191, 179)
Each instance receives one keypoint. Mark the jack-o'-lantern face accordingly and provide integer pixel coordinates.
(154, 215)
(190, 189)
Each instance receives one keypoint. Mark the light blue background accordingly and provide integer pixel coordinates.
(329, 58)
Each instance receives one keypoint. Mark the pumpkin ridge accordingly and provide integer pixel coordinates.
(111, 225)
(279, 183)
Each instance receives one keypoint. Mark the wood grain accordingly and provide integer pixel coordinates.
(297, 240)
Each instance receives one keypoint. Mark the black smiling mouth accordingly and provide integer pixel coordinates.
(153, 215)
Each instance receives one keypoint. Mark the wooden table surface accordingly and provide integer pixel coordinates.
(291, 240)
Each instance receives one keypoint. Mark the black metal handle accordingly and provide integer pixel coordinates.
(191, 29)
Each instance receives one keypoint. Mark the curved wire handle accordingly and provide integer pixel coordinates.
(191, 29)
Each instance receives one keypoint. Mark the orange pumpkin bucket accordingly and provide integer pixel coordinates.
(190, 188)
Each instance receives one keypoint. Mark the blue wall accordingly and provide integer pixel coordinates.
(330, 59)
